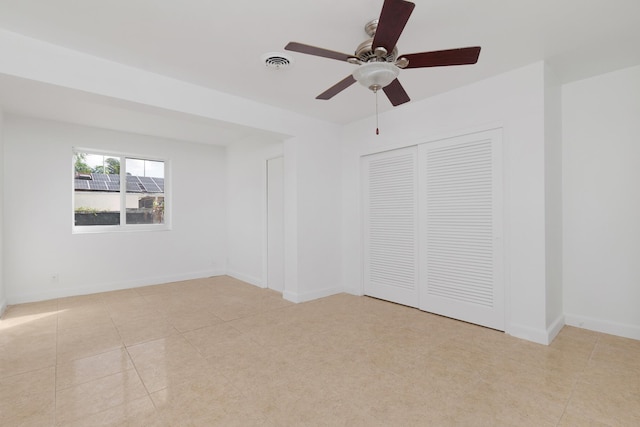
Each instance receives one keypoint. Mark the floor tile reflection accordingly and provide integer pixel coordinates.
(218, 351)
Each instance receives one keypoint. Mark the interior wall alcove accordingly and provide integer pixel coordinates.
(515, 102)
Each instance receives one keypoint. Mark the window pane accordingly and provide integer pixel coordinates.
(145, 191)
(96, 189)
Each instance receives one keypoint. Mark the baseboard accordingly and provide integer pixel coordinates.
(112, 286)
(255, 281)
(604, 326)
(555, 328)
(539, 336)
(357, 293)
(310, 296)
(3, 306)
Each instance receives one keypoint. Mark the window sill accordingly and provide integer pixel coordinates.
(97, 229)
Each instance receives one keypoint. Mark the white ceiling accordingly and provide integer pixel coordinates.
(219, 44)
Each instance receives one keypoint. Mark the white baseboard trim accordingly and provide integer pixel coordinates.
(113, 286)
(310, 296)
(604, 326)
(539, 336)
(352, 291)
(555, 328)
(255, 281)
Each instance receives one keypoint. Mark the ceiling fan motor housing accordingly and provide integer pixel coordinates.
(366, 52)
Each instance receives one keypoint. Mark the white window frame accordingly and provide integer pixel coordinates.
(122, 227)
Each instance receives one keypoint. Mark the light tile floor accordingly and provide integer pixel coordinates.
(218, 351)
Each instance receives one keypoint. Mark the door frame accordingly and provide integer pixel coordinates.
(266, 225)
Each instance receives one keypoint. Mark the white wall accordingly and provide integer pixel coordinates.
(513, 101)
(107, 201)
(312, 165)
(3, 299)
(312, 199)
(313, 216)
(601, 178)
(246, 198)
(553, 200)
(37, 214)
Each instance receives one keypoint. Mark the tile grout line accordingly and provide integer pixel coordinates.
(135, 368)
(593, 350)
(126, 349)
(108, 375)
(566, 405)
(575, 382)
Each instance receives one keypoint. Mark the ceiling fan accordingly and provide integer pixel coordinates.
(377, 58)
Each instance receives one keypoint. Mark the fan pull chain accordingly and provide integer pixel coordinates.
(377, 129)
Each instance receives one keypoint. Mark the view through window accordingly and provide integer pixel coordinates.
(111, 190)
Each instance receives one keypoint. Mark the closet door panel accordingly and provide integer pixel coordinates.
(391, 226)
(460, 195)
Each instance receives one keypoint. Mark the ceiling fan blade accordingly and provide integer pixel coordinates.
(396, 93)
(443, 58)
(393, 18)
(337, 88)
(316, 51)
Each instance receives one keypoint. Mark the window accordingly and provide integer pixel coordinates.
(117, 192)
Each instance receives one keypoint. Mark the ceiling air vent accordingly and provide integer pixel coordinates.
(277, 60)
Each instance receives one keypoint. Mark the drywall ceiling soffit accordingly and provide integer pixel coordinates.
(25, 97)
(219, 44)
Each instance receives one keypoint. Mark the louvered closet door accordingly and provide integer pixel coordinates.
(391, 226)
(461, 229)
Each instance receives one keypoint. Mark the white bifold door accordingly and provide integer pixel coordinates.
(391, 226)
(433, 227)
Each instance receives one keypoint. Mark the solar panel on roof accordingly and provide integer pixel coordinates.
(81, 184)
(160, 183)
(111, 182)
(97, 185)
(145, 181)
(134, 187)
(113, 186)
(149, 185)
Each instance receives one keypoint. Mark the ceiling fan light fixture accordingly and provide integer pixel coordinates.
(377, 60)
(376, 75)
